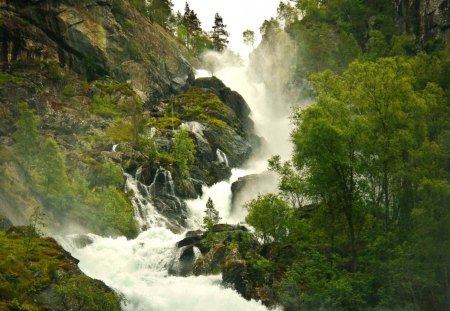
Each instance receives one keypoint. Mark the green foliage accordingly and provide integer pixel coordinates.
(102, 207)
(270, 216)
(365, 151)
(8, 78)
(104, 107)
(27, 273)
(82, 293)
(291, 183)
(27, 134)
(116, 214)
(108, 173)
(183, 152)
(197, 105)
(160, 11)
(210, 219)
(249, 37)
(219, 35)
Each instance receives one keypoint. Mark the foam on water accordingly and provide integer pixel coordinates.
(138, 269)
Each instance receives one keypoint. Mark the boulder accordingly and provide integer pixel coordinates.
(183, 261)
(212, 262)
(248, 187)
(235, 273)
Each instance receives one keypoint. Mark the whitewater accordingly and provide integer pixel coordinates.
(138, 268)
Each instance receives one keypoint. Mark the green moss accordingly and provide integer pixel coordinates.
(27, 269)
(198, 105)
(7, 78)
(105, 107)
(69, 90)
(110, 87)
(165, 122)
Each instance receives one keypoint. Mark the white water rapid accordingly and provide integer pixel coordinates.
(139, 268)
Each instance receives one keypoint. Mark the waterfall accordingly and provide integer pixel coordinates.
(114, 147)
(221, 156)
(145, 212)
(139, 268)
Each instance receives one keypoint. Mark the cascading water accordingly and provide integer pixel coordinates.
(222, 157)
(140, 268)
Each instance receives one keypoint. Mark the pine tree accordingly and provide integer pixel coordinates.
(210, 219)
(219, 35)
(192, 24)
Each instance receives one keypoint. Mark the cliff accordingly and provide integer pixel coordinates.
(427, 19)
(96, 38)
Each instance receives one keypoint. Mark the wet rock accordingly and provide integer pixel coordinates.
(248, 187)
(235, 273)
(82, 240)
(212, 262)
(183, 262)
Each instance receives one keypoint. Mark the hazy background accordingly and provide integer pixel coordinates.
(238, 15)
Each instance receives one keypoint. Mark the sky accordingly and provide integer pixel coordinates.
(238, 15)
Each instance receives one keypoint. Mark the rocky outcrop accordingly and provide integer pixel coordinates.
(427, 19)
(231, 98)
(248, 187)
(212, 262)
(97, 38)
(49, 275)
(235, 273)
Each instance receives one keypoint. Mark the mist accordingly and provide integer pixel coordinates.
(263, 81)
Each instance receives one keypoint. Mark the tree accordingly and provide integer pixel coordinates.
(211, 217)
(270, 216)
(327, 140)
(183, 152)
(160, 11)
(191, 23)
(219, 35)
(249, 37)
(27, 135)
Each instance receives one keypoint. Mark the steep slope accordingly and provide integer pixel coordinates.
(96, 38)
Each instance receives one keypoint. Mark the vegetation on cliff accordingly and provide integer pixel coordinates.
(38, 274)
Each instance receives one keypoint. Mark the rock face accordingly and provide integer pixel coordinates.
(97, 38)
(427, 19)
(235, 273)
(230, 98)
(248, 187)
(212, 262)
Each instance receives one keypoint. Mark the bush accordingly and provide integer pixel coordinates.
(271, 216)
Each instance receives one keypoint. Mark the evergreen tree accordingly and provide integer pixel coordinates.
(219, 35)
(27, 135)
(183, 152)
(210, 219)
(191, 23)
(160, 11)
(249, 37)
